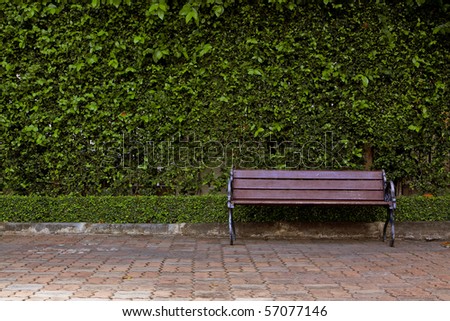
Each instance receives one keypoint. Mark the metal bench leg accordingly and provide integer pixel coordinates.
(386, 224)
(231, 226)
(390, 197)
(392, 221)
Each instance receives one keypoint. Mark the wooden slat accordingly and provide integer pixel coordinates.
(289, 174)
(308, 202)
(307, 195)
(300, 184)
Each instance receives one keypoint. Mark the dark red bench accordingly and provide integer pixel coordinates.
(311, 187)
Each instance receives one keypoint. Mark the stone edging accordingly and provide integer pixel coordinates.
(337, 230)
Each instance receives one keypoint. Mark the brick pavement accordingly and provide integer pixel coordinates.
(121, 267)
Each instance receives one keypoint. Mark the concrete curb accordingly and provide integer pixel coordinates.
(429, 231)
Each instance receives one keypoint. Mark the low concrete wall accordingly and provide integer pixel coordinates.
(429, 231)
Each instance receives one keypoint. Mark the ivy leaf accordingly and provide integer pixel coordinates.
(257, 72)
(206, 48)
(258, 131)
(159, 8)
(92, 59)
(77, 66)
(52, 9)
(158, 54)
(425, 113)
(30, 128)
(357, 152)
(7, 66)
(92, 106)
(276, 127)
(153, 7)
(190, 12)
(186, 9)
(113, 63)
(444, 28)
(364, 79)
(163, 5)
(415, 128)
(224, 99)
(102, 33)
(137, 39)
(218, 10)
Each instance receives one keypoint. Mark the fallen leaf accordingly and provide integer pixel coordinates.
(446, 244)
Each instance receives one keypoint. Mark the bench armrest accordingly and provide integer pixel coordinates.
(230, 192)
(389, 195)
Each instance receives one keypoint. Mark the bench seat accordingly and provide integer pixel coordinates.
(311, 187)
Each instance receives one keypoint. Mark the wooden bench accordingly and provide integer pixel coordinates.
(311, 187)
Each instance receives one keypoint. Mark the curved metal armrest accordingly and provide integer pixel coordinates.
(229, 192)
(389, 194)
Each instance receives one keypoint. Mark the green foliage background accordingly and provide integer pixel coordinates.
(162, 97)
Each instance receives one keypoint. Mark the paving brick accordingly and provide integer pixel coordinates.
(84, 294)
(129, 295)
(126, 267)
(24, 287)
(53, 294)
(162, 294)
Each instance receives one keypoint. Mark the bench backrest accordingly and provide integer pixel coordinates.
(309, 187)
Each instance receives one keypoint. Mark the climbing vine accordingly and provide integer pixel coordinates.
(156, 97)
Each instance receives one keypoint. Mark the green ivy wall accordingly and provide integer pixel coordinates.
(164, 97)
